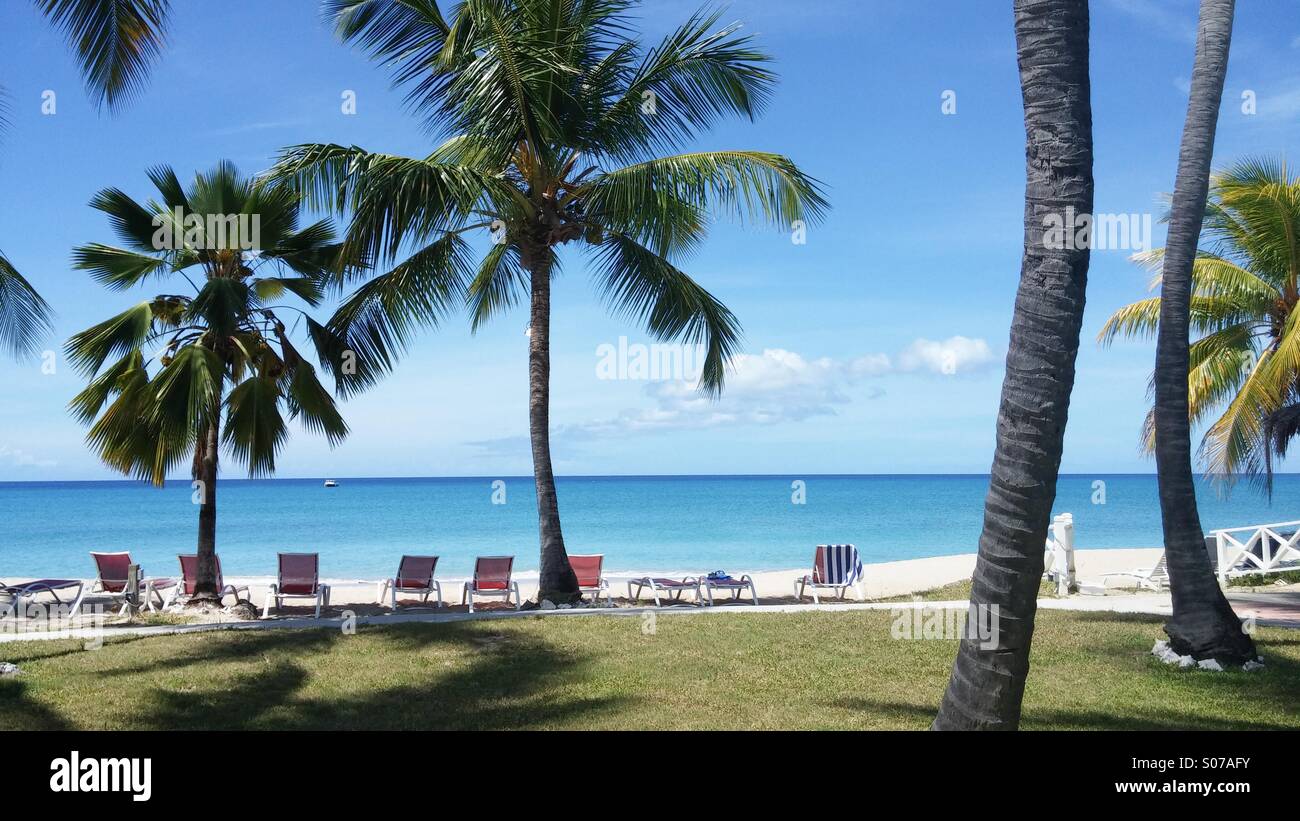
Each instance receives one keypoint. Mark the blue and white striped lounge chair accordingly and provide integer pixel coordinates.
(835, 567)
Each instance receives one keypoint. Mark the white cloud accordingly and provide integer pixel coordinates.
(769, 388)
(20, 458)
(952, 356)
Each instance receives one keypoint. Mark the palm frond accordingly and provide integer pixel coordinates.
(116, 41)
(742, 184)
(378, 319)
(116, 336)
(24, 316)
(638, 283)
(500, 284)
(254, 430)
(393, 199)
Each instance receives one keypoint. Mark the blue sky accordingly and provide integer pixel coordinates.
(844, 335)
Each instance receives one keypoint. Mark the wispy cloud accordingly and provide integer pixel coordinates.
(19, 458)
(248, 128)
(1170, 18)
(773, 387)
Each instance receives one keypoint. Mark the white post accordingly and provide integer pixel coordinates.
(1063, 538)
(1219, 538)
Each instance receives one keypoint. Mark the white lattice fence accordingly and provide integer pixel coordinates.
(1258, 549)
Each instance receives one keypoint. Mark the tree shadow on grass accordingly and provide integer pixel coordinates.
(19, 712)
(494, 682)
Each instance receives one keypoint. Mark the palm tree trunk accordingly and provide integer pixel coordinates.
(988, 677)
(557, 581)
(1203, 623)
(205, 588)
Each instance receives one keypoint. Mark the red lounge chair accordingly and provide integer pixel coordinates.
(492, 578)
(112, 570)
(588, 568)
(415, 576)
(658, 585)
(190, 577)
(30, 590)
(299, 579)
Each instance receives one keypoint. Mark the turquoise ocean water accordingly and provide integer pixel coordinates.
(692, 524)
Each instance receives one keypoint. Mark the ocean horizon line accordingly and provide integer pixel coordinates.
(581, 476)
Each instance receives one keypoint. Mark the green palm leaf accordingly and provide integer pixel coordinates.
(116, 41)
(640, 284)
(24, 316)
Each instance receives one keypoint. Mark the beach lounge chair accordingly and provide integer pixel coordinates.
(112, 570)
(672, 587)
(1148, 578)
(17, 593)
(734, 586)
(190, 578)
(492, 578)
(299, 578)
(590, 580)
(414, 576)
(836, 567)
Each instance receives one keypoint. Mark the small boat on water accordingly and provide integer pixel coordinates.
(331, 483)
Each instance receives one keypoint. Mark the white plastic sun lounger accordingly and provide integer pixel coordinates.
(734, 586)
(1148, 578)
(22, 594)
(672, 587)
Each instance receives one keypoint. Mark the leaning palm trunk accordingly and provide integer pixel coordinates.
(1203, 623)
(557, 582)
(205, 586)
(988, 677)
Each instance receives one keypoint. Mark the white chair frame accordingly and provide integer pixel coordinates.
(676, 590)
(471, 590)
(390, 587)
(736, 587)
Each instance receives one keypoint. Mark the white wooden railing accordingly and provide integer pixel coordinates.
(1265, 550)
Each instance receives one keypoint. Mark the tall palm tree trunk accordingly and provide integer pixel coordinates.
(205, 588)
(557, 581)
(988, 677)
(1203, 624)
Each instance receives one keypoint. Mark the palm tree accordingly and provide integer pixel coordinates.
(553, 117)
(988, 678)
(115, 41)
(181, 361)
(1203, 624)
(1246, 362)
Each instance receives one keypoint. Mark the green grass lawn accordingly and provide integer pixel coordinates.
(769, 671)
